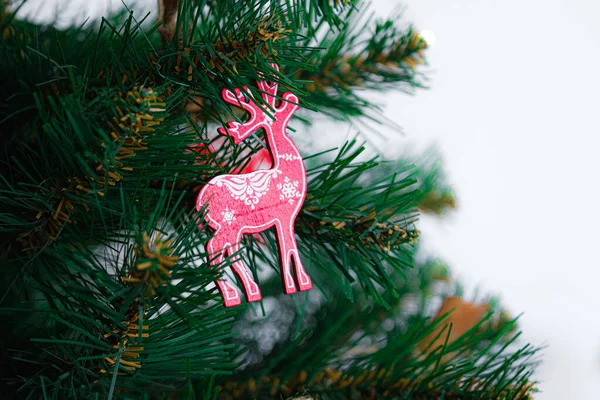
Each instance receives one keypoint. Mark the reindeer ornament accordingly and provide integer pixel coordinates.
(253, 202)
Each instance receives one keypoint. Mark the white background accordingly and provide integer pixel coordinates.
(514, 108)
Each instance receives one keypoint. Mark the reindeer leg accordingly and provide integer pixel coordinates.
(231, 296)
(284, 243)
(251, 289)
(304, 282)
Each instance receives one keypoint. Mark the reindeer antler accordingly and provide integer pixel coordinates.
(257, 116)
(240, 99)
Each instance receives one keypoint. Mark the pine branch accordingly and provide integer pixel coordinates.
(136, 114)
(361, 56)
(95, 318)
(215, 47)
(345, 351)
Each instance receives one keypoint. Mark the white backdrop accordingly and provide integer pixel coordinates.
(513, 107)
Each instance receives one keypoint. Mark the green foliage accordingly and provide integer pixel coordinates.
(346, 61)
(106, 290)
(336, 350)
(76, 317)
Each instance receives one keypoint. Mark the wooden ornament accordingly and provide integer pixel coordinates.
(252, 202)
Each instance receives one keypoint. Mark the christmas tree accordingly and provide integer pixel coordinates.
(131, 230)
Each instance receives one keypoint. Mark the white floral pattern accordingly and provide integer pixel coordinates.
(248, 188)
(289, 190)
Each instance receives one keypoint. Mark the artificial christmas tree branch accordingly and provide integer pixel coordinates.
(347, 353)
(348, 60)
(136, 112)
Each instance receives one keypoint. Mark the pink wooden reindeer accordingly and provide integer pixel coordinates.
(253, 202)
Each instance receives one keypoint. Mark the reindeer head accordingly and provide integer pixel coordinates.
(257, 116)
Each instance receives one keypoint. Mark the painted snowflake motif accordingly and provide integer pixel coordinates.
(288, 157)
(289, 190)
(228, 215)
